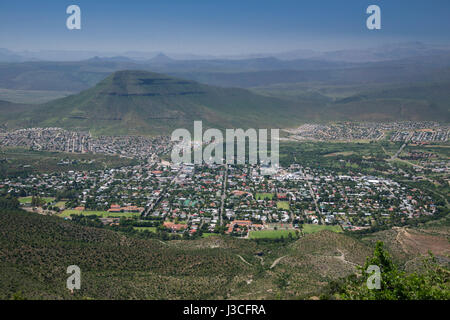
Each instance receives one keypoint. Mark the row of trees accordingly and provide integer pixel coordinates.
(9, 202)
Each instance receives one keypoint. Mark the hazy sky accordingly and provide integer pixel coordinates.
(218, 26)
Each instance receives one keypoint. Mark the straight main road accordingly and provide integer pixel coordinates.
(223, 195)
(161, 195)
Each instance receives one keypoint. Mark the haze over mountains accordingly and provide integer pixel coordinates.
(377, 53)
(403, 63)
(408, 81)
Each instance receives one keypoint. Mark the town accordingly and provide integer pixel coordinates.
(57, 139)
(421, 131)
(237, 200)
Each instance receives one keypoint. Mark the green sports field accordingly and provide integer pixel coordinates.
(209, 234)
(313, 228)
(151, 229)
(263, 196)
(25, 200)
(60, 204)
(102, 214)
(284, 205)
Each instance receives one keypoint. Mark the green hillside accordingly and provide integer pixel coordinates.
(145, 103)
(139, 102)
(10, 110)
(35, 251)
(428, 101)
(364, 102)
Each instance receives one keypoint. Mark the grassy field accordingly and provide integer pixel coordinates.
(284, 205)
(263, 196)
(60, 204)
(102, 214)
(25, 200)
(207, 234)
(344, 153)
(151, 229)
(313, 228)
(270, 234)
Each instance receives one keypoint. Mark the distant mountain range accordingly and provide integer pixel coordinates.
(160, 93)
(384, 52)
(80, 75)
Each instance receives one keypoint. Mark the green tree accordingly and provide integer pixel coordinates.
(282, 280)
(432, 283)
(9, 202)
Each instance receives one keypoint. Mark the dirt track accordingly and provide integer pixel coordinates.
(414, 242)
